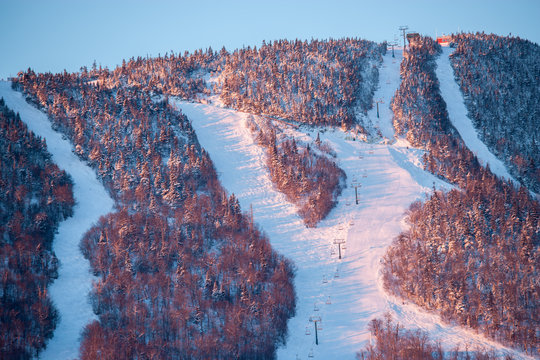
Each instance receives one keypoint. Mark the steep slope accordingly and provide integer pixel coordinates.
(466, 249)
(390, 177)
(70, 291)
(457, 112)
(389, 78)
(498, 76)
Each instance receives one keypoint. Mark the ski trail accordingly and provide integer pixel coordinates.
(389, 79)
(69, 292)
(458, 114)
(240, 164)
(345, 293)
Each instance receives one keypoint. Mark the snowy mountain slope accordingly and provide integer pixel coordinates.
(68, 292)
(388, 84)
(457, 113)
(390, 177)
(498, 76)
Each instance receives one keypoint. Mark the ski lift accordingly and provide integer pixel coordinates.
(332, 251)
(328, 301)
(319, 326)
(308, 332)
(315, 307)
(310, 354)
(336, 275)
(324, 279)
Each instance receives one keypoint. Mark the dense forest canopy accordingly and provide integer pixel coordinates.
(176, 235)
(327, 82)
(320, 82)
(500, 78)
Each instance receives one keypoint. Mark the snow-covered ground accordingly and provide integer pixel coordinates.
(346, 294)
(388, 84)
(457, 112)
(70, 291)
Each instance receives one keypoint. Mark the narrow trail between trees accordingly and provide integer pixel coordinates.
(69, 292)
(346, 294)
(458, 114)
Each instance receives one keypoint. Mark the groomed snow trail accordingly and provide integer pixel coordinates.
(458, 114)
(345, 293)
(69, 292)
(389, 78)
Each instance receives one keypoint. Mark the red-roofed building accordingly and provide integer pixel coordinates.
(444, 40)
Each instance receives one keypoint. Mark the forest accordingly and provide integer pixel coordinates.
(499, 77)
(470, 254)
(318, 82)
(171, 74)
(183, 272)
(35, 197)
(305, 173)
(328, 82)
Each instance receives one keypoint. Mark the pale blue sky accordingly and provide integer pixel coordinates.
(66, 34)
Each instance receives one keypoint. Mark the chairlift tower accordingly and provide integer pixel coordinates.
(338, 242)
(380, 101)
(315, 319)
(392, 44)
(356, 185)
(404, 29)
